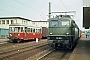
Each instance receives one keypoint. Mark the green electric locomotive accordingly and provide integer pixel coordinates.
(62, 32)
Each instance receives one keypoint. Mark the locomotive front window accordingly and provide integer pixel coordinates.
(65, 23)
(54, 23)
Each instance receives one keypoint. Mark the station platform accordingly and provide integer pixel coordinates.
(82, 50)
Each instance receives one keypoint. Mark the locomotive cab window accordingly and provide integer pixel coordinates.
(54, 23)
(65, 23)
(73, 23)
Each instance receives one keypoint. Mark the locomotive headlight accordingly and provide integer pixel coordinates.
(10, 34)
(50, 33)
(67, 33)
(57, 37)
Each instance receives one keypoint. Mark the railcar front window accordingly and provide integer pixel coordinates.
(11, 29)
(54, 22)
(65, 23)
(17, 29)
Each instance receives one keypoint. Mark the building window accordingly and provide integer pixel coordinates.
(3, 21)
(7, 21)
(43, 22)
(24, 22)
(34, 23)
(0, 22)
(12, 21)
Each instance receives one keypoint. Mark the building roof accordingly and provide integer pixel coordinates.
(14, 18)
(39, 21)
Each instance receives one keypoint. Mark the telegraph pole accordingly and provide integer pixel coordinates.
(49, 10)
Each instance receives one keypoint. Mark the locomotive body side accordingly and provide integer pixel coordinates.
(63, 32)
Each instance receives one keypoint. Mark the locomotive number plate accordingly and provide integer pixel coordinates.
(58, 40)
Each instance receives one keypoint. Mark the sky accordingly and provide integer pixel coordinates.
(86, 3)
(39, 9)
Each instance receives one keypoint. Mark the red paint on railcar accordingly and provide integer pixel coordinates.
(25, 33)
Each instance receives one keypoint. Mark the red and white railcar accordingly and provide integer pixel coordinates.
(21, 32)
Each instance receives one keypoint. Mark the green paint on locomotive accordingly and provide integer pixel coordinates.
(59, 29)
(61, 26)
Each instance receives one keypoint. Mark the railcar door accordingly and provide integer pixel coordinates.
(25, 33)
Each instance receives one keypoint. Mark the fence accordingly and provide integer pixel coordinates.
(3, 33)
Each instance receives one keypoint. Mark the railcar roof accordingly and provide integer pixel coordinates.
(17, 24)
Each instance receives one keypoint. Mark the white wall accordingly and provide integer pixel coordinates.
(42, 24)
(15, 21)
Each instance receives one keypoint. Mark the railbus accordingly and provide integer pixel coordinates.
(22, 32)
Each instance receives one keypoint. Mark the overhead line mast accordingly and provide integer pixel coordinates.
(49, 10)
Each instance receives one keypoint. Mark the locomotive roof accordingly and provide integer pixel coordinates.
(66, 18)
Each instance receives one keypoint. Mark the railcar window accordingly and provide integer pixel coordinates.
(25, 29)
(21, 29)
(31, 30)
(35, 30)
(54, 22)
(28, 29)
(65, 23)
(39, 30)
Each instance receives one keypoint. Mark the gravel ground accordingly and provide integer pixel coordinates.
(3, 41)
(36, 56)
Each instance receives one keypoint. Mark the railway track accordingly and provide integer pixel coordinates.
(45, 55)
(56, 55)
(11, 52)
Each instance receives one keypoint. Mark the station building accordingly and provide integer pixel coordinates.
(42, 23)
(6, 21)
